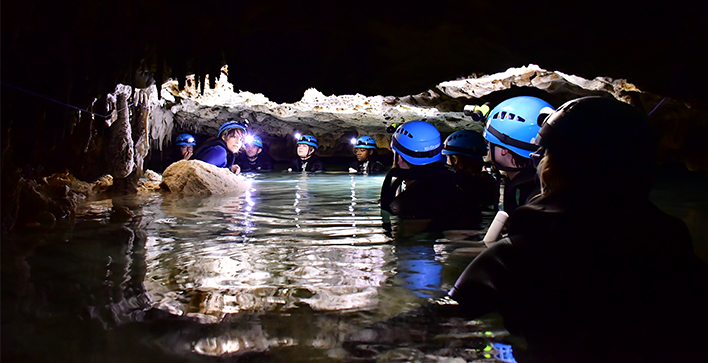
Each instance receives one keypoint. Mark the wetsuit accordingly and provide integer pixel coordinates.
(262, 162)
(215, 152)
(482, 188)
(584, 281)
(312, 163)
(435, 194)
(521, 189)
(369, 166)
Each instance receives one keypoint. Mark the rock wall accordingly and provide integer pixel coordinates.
(334, 119)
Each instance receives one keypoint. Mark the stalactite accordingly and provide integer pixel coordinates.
(160, 71)
(120, 146)
(140, 131)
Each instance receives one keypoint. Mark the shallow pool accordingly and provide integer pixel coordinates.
(283, 273)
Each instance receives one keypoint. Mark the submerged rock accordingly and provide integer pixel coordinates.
(151, 184)
(195, 177)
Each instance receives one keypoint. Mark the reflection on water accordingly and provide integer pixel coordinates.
(308, 239)
(282, 273)
(289, 269)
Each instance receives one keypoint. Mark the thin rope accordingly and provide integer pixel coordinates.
(71, 106)
(657, 106)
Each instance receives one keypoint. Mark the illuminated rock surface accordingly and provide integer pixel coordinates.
(327, 117)
(195, 177)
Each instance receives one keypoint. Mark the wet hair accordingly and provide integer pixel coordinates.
(551, 174)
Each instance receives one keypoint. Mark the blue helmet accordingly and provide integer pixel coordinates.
(365, 142)
(465, 142)
(514, 123)
(185, 139)
(254, 140)
(308, 140)
(230, 125)
(418, 142)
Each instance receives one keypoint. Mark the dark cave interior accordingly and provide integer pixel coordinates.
(77, 52)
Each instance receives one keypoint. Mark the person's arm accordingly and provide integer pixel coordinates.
(215, 156)
(486, 283)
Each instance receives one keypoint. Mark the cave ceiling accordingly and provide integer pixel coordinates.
(74, 53)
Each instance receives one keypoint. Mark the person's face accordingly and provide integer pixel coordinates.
(186, 150)
(303, 150)
(362, 154)
(450, 160)
(488, 158)
(234, 142)
(503, 157)
(251, 150)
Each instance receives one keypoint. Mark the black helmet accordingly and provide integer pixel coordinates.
(594, 137)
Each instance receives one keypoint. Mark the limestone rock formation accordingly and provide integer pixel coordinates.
(331, 118)
(151, 183)
(195, 177)
(327, 117)
(120, 145)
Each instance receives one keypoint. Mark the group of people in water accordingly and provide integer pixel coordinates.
(589, 269)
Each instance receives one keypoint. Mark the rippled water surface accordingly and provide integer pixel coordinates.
(283, 273)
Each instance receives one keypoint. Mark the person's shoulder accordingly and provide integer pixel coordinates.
(536, 217)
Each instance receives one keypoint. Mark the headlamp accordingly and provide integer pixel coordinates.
(477, 112)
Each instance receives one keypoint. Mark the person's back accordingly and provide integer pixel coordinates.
(435, 195)
(591, 270)
(581, 281)
(421, 187)
(465, 151)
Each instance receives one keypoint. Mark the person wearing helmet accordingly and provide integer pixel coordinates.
(420, 187)
(306, 159)
(252, 158)
(592, 271)
(511, 127)
(465, 151)
(186, 145)
(366, 157)
(221, 150)
(183, 151)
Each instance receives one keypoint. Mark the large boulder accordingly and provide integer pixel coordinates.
(195, 177)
